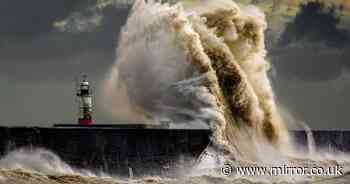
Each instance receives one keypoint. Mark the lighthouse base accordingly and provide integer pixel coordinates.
(85, 121)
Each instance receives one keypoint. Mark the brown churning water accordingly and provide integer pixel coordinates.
(199, 63)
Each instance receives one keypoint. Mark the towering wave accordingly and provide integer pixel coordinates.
(195, 64)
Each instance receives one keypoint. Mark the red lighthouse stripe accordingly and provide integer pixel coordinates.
(85, 121)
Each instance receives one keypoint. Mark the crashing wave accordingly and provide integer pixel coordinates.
(198, 63)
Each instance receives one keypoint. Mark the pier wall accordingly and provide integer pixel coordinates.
(146, 151)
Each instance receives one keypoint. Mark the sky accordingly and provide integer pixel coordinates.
(45, 45)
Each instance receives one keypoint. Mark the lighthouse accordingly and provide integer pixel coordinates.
(84, 95)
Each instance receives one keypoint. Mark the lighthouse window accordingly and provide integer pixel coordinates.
(85, 87)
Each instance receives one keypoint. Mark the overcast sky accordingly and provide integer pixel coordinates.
(44, 45)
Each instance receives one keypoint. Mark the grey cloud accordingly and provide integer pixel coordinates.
(19, 17)
(312, 47)
(58, 56)
(311, 61)
(318, 24)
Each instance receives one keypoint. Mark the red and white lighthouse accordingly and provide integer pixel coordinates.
(84, 95)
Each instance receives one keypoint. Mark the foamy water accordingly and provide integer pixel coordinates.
(39, 166)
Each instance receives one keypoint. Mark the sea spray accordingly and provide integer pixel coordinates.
(39, 165)
(40, 160)
(199, 64)
(310, 139)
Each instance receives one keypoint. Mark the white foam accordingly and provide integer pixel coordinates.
(41, 161)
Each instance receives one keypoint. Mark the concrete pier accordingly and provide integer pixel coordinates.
(139, 150)
(113, 150)
(326, 140)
